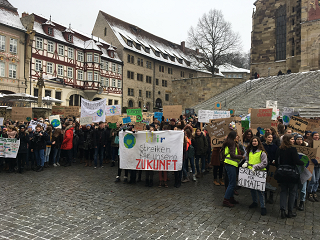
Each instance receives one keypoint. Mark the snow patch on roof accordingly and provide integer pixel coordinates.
(229, 68)
(11, 19)
(90, 44)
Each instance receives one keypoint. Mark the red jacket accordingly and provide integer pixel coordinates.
(68, 138)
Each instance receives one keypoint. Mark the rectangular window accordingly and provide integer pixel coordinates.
(148, 79)
(190, 75)
(80, 56)
(2, 67)
(13, 45)
(39, 43)
(182, 74)
(139, 77)
(140, 93)
(130, 59)
(2, 43)
(50, 31)
(170, 70)
(107, 66)
(164, 83)
(89, 57)
(70, 38)
(89, 74)
(50, 47)
(119, 83)
(58, 95)
(148, 94)
(35, 92)
(113, 67)
(70, 53)
(70, 72)
(12, 71)
(240, 75)
(101, 64)
(130, 75)
(157, 81)
(38, 65)
(96, 58)
(110, 102)
(167, 97)
(47, 93)
(107, 82)
(60, 50)
(161, 68)
(49, 67)
(102, 81)
(148, 63)
(119, 69)
(60, 70)
(140, 62)
(116, 102)
(130, 92)
(96, 77)
(80, 75)
(113, 83)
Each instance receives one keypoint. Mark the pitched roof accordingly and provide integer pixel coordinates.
(150, 45)
(6, 4)
(229, 68)
(9, 16)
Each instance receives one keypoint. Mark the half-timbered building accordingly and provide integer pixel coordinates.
(74, 65)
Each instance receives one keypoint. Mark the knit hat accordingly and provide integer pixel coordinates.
(22, 127)
(306, 132)
(88, 125)
(29, 127)
(297, 136)
(172, 120)
(313, 133)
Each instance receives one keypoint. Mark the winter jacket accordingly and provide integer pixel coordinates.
(200, 145)
(24, 141)
(116, 133)
(288, 156)
(39, 142)
(58, 141)
(263, 158)
(99, 137)
(67, 143)
(271, 150)
(87, 139)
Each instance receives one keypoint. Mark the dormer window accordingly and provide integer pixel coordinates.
(129, 43)
(112, 54)
(157, 53)
(69, 37)
(172, 58)
(138, 46)
(50, 31)
(180, 60)
(147, 49)
(165, 56)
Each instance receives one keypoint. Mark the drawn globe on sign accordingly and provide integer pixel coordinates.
(55, 122)
(113, 110)
(100, 112)
(28, 119)
(304, 158)
(129, 141)
(286, 119)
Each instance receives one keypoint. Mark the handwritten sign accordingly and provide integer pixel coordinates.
(253, 180)
(113, 119)
(85, 120)
(172, 111)
(189, 111)
(135, 112)
(113, 110)
(147, 116)
(72, 111)
(298, 125)
(245, 124)
(261, 118)
(204, 116)
(58, 110)
(21, 113)
(140, 126)
(55, 121)
(126, 120)
(158, 115)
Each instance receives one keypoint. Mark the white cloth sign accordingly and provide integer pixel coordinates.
(55, 121)
(157, 151)
(274, 106)
(34, 123)
(94, 109)
(85, 120)
(9, 147)
(1, 121)
(204, 116)
(253, 180)
(112, 110)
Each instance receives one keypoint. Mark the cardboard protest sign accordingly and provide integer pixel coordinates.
(189, 111)
(72, 111)
(147, 116)
(273, 105)
(156, 151)
(272, 184)
(172, 111)
(261, 118)
(245, 124)
(204, 116)
(232, 112)
(112, 110)
(306, 154)
(298, 125)
(126, 120)
(135, 112)
(113, 119)
(113, 125)
(85, 120)
(253, 180)
(158, 115)
(217, 105)
(312, 124)
(316, 144)
(21, 113)
(274, 124)
(9, 147)
(140, 126)
(94, 109)
(55, 121)
(58, 110)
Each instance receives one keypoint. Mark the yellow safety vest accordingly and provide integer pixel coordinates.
(255, 158)
(229, 160)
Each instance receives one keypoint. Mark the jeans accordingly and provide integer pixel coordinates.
(21, 158)
(39, 154)
(261, 197)
(288, 195)
(232, 176)
(47, 154)
(98, 150)
(68, 155)
(314, 183)
(114, 153)
(302, 189)
(203, 163)
(56, 154)
(31, 162)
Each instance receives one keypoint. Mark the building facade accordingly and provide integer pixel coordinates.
(12, 50)
(150, 62)
(231, 71)
(73, 65)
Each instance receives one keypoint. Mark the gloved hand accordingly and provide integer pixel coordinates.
(245, 165)
(315, 162)
(253, 170)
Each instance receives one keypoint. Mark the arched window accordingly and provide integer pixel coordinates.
(130, 103)
(281, 33)
(75, 100)
(95, 99)
(158, 103)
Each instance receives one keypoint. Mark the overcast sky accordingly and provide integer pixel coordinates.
(169, 19)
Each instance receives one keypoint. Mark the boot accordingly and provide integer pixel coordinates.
(291, 214)
(221, 182)
(233, 201)
(194, 178)
(227, 203)
(315, 197)
(263, 211)
(216, 183)
(270, 200)
(253, 205)
(301, 206)
(310, 198)
(283, 214)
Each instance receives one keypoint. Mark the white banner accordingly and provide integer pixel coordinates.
(157, 151)
(254, 180)
(94, 109)
(34, 123)
(9, 147)
(55, 121)
(205, 115)
(274, 106)
(112, 110)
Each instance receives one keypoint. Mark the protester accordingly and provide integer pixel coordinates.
(23, 148)
(114, 138)
(57, 139)
(67, 144)
(247, 137)
(99, 143)
(48, 146)
(38, 146)
(200, 144)
(88, 145)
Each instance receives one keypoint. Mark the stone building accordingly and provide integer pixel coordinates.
(285, 36)
(74, 65)
(150, 62)
(231, 71)
(12, 50)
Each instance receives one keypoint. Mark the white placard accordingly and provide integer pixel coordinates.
(274, 106)
(34, 123)
(55, 121)
(112, 110)
(253, 180)
(85, 120)
(204, 116)
(94, 109)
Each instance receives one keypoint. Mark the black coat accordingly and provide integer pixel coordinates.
(24, 141)
(288, 156)
(200, 145)
(58, 141)
(40, 142)
(99, 137)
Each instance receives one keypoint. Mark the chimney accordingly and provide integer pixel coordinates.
(24, 14)
(183, 46)
(197, 50)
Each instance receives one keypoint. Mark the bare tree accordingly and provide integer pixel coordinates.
(238, 59)
(214, 38)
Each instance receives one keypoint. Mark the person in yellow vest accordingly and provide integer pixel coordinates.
(231, 161)
(257, 160)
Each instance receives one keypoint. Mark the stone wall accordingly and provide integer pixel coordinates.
(192, 91)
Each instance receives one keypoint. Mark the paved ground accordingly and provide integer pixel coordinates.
(84, 203)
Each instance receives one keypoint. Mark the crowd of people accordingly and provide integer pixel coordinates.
(96, 145)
